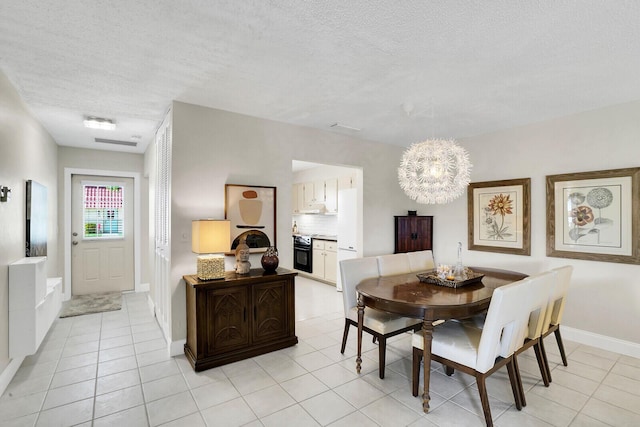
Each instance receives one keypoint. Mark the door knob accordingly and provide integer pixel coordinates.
(75, 242)
(74, 234)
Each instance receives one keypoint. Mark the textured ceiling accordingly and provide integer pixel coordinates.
(399, 71)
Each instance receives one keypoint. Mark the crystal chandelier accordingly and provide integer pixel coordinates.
(435, 171)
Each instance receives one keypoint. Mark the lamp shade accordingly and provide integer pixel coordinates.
(210, 236)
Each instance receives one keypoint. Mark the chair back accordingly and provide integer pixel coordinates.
(507, 319)
(352, 272)
(392, 264)
(541, 287)
(558, 296)
(421, 261)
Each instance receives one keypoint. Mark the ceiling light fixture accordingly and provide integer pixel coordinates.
(99, 123)
(435, 171)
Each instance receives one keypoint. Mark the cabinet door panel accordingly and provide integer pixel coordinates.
(317, 262)
(297, 198)
(270, 311)
(346, 181)
(331, 195)
(227, 308)
(423, 234)
(318, 192)
(331, 266)
(308, 194)
(403, 235)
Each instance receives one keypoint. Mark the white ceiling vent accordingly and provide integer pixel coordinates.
(116, 142)
(341, 126)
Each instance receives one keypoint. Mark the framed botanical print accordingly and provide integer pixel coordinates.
(251, 209)
(499, 216)
(594, 215)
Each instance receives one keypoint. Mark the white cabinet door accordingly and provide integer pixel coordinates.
(308, 194)
(330, 265)
(346, 181)
(325, 261)
(294, 199)
(297, 198)
(318, 192)
(331, 195)
(317, 263)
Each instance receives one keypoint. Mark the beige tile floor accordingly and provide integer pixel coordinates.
(112, 369)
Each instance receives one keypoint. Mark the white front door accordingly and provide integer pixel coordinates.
(102, 258)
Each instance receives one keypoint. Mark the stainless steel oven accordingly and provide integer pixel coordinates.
(302, 253)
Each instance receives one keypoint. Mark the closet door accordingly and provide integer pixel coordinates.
(162, 220)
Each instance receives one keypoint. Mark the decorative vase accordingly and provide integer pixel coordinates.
(270, 259)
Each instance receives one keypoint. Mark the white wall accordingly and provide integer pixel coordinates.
(27, 151)
(604, 297)
(212, 148)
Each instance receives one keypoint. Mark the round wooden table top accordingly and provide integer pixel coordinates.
(405, 295)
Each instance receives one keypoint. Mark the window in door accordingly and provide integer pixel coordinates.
(103, 214)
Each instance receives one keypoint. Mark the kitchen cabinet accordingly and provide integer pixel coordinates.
(347, 181)
(239, 317)
(325, 260)
(312, 195)
(413, 233)
(297, 199)
(309, 195)
(318, 191)
(331, 195)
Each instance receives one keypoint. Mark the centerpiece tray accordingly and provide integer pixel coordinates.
(431, 277)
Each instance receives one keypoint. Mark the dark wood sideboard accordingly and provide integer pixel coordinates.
(238, 317)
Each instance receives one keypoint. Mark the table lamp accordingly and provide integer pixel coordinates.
(211, 237)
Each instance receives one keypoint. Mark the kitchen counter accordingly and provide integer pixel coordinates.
(332, 238)
(324, 237)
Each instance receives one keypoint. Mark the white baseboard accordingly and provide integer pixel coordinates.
(143, 287)
(176, 348)
(151, 304)
(604, 342)
(9, 372)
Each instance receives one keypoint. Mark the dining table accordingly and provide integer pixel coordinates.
(406, 295)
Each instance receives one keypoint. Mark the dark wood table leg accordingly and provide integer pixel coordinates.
(360, 323)
(427, 334)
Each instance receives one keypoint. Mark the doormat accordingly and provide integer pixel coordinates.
(91, 303)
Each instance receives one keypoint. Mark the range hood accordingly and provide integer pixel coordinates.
(317, 208)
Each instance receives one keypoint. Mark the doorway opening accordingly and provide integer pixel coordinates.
(102, 234)
(327, 205)
(68, 228)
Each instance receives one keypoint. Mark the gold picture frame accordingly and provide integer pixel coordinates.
(499, 215)
(594, 215)
(251, 209)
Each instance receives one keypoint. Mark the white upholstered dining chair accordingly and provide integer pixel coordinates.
(380, 324)
(555, 309)
(392, 264)
(543, 283)
(481, 351)
(421, 261)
